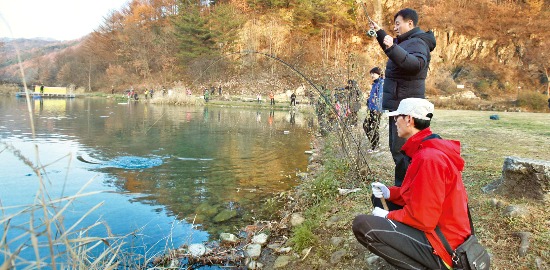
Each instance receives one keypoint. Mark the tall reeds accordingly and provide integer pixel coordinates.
(41, 228)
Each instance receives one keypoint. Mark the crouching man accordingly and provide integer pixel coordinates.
(432, 194)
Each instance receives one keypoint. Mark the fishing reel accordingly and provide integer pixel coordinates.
(371, 33)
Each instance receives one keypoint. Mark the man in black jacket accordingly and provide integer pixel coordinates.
(406, 71)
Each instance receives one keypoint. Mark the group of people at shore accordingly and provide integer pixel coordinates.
(131, 93)
(425, 210)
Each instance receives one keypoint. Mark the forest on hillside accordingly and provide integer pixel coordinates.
(493, 47)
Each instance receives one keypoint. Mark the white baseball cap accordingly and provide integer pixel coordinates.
(418, 108)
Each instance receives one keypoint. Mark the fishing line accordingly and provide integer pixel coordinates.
(163, 113)
(325, 99)
(370, 32)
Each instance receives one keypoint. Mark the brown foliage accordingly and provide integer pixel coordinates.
(325, 40)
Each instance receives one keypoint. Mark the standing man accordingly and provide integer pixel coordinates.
(293, 99)
(271, 98)
(406, 71)
(432, 195)
(42, 89)
(374, 106)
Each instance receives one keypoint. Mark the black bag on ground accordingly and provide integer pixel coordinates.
(470, 255)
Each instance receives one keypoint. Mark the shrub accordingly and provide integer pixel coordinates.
(303, 236)
(532, 100)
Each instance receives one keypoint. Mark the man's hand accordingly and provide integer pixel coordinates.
(388, 41)
(379, 212)
(380, 190)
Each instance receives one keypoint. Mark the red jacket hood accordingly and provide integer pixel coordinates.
(449, 147)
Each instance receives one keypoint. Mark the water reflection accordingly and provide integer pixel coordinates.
(217, 165)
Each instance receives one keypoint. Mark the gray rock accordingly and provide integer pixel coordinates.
(282, 261)
(333, 220)
(255, 265)
(302, 175)
(207, 209)
(254, 250)
(515, 211)
(539, 262)
(496, 203)
(260, 239)
(175, 263)
(274, 246)
(524, 244)
(228, 238)
(283, 250)
(197, 250)
(371, 260)
(524, 178)
(337, 256)
(296, 219)
(336, 241)
(225, 215)
(491, 187)
(314, 158)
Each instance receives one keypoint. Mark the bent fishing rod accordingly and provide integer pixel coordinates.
(325, 99)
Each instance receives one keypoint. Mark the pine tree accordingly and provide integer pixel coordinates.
(192, 31)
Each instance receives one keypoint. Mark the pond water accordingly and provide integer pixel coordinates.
(172, 175)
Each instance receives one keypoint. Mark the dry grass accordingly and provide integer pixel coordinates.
(41, 226)
(45, 230)
(177, 97)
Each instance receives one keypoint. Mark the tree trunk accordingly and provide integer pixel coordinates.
(90, 75)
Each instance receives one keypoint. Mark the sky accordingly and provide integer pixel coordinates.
(57, 19)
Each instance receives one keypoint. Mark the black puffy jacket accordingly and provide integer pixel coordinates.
(407, 67)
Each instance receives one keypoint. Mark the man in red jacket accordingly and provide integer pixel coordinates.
(432, 194)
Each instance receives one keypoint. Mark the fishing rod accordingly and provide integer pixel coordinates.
(325, 99)
(370, 32)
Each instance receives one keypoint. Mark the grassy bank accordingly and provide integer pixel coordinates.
(485, 144)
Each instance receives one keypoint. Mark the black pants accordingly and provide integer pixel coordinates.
(400, 160)
(371, 126)
(400, 245)
(272, 102)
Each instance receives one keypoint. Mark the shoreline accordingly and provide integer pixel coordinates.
(324, 239)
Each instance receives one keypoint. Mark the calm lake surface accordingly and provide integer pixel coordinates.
(161, 167)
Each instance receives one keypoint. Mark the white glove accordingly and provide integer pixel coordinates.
(379, 212)
(380, 190)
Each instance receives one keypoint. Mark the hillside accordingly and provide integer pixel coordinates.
(166, 43)
(31, 52)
